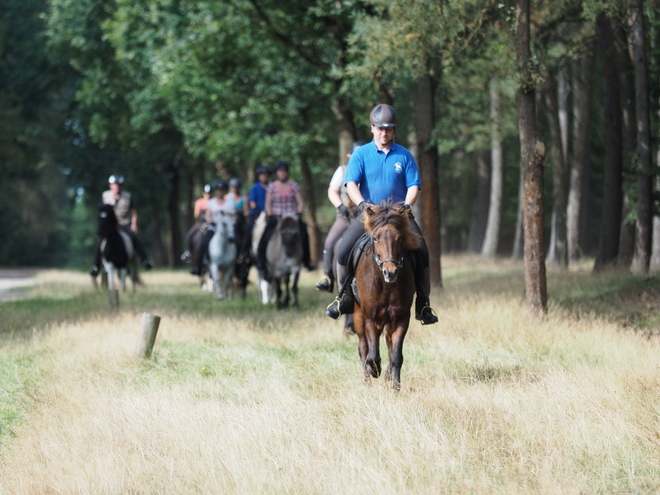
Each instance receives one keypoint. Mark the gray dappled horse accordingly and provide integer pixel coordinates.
(118, 255)
(284, 255)
(222, 255)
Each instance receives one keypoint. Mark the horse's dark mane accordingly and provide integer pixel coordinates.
(388, 213)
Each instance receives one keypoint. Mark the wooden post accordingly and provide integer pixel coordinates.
(147, 335)
(113, 300)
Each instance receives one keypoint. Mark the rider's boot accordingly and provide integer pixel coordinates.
(94, 271)
(423, 311)
(341, 305)
(326, 283)
(147, 264)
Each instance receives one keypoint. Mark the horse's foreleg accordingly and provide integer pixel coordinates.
(278, 292)
(294, 290)
(229, 282)
(286, 280)
(372, 361)
(395, 346)
(215, 275)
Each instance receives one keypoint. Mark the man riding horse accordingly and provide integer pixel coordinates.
(382, 171)
(122, 202)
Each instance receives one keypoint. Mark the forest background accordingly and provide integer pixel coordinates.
(176, 93)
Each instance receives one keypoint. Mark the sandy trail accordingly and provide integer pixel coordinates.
(14, 282)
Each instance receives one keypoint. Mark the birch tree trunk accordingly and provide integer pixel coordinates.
(559, 248)
(480, 215)
(610, 222)
(532, 154)
(497, 175)
(643, 226)
(581, 117)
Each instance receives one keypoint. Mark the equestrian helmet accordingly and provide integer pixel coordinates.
(116, 179)
(219, 184)
(262, 169)
(207, 188)
(282, 166)
(383, 115)
(235, 182)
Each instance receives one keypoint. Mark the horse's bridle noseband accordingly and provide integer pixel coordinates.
(380, 262)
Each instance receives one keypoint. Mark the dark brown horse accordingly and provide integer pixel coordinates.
(385, 284)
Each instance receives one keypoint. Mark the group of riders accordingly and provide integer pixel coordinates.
(376, 172)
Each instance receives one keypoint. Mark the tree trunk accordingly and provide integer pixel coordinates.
(519, 241)
(480, 214)
(309, 199)
(627, 233)
(315, 243)
(497, 174)
(173, 216)
(581, 117)
(559, 248)
(654, 35)
(643, 226)
(345, 124)
(428, 167)
(532, 153)
(610, 222)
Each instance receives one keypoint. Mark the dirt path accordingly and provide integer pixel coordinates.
(15, 282)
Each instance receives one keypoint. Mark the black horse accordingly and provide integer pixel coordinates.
(117, 251)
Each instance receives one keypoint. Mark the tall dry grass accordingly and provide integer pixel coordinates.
(270, 402)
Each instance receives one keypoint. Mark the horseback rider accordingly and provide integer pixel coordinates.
(122, 202)
(220, 202)
(200, 217)
(283, 197)
(382, 171)
(346, 211)
(256, 204)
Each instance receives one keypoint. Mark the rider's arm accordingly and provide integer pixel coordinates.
(134, 218)
(299, 200)
(411, 195)
(197, 209)
(354, 192)
(334, 197)
(269, 202)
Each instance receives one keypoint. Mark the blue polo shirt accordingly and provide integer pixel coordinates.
(258, 195)
(380, 176)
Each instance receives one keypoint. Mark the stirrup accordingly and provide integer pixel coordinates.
(325, 285)
(431, 321)
(334, 309)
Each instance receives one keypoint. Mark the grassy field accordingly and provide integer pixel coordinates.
(241, 398)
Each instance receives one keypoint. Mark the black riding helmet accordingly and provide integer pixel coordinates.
(263, 169)
(235, 182)
(219, 184)
(383, 115)
(281, 166)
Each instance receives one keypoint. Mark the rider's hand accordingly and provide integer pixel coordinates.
(343, 210)
(362, 206)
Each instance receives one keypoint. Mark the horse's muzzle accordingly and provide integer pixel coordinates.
(390, 276)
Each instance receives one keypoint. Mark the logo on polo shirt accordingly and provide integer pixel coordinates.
(398, 168)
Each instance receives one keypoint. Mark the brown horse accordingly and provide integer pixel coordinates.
(385, 287)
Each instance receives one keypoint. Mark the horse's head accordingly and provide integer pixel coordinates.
(289, 229)
(107, 220)
(227, 226)
(389, 227)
